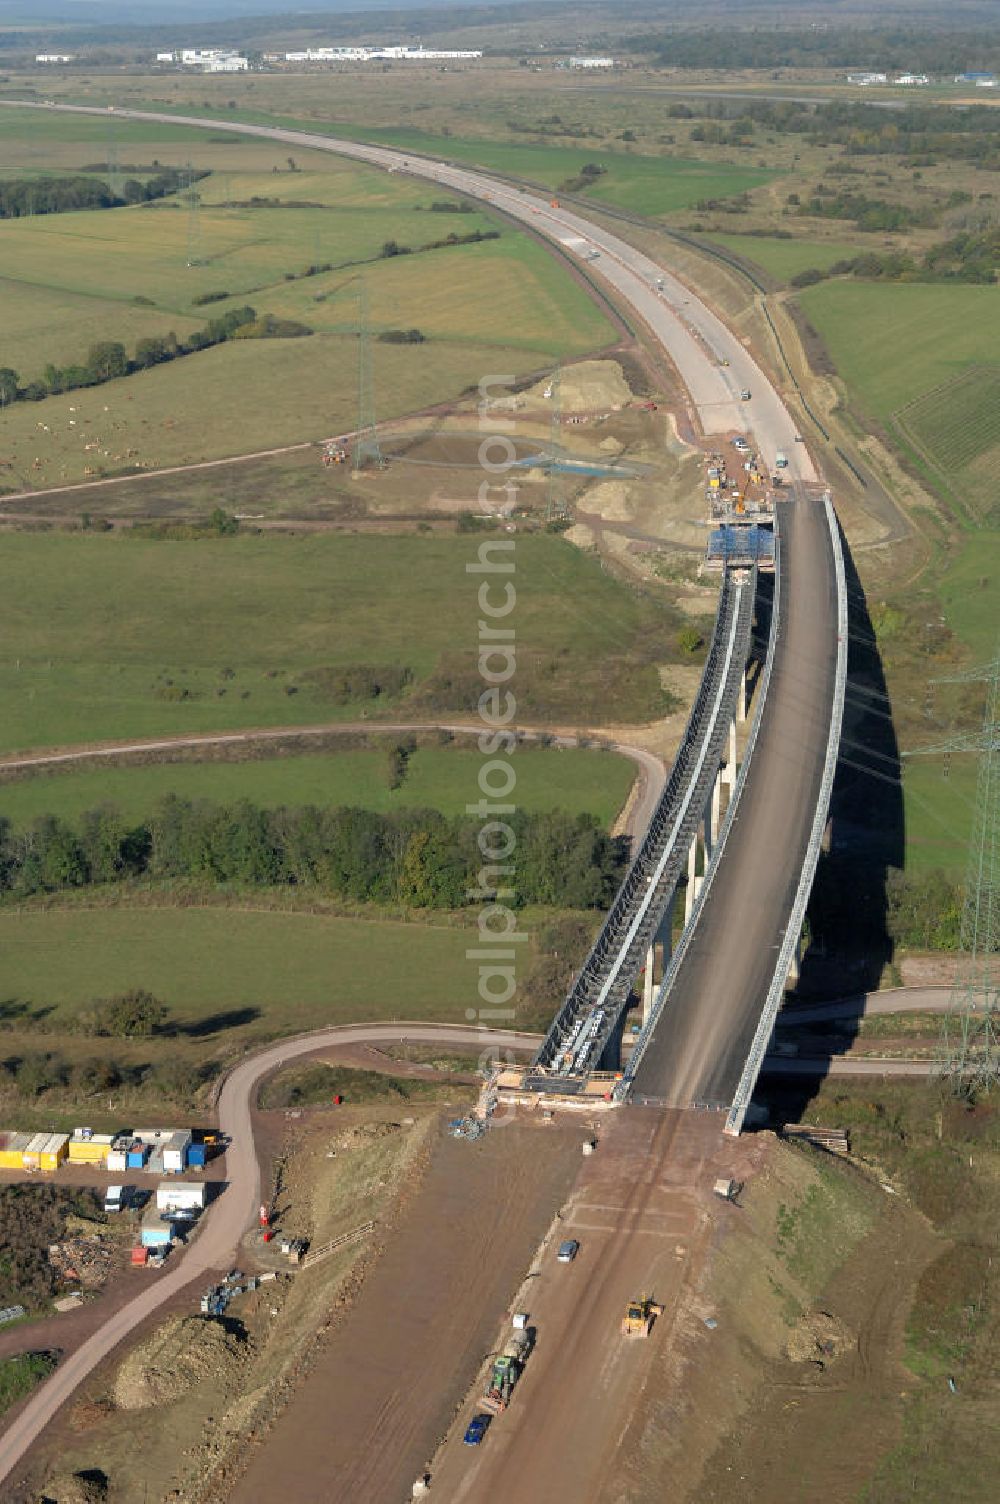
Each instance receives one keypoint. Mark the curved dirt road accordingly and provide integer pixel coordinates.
(216, 1244)
(642, 799)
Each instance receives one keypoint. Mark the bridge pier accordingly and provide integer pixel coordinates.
(664, 938)
(706, 835)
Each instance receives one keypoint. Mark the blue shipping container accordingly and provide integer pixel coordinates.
(196, 1154)
(156, 1234)
(136, 1159)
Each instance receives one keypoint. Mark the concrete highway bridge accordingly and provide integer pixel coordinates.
(706, 1026)
(746, 877)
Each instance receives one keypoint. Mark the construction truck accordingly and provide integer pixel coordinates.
(507, 1369)
(639, 1317)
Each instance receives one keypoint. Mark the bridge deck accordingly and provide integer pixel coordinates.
(699, 1044)
(602, 988)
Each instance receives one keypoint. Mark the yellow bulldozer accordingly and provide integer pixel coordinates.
(639, 1317)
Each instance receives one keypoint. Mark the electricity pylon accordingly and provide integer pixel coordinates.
(970, 1046)
(114, 168)
(366, 445)
(555, 491)
(195, 256)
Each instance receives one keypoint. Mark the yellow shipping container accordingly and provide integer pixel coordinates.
(12, 1147)
(31, 1159)
(54, 1151)
(88, 1148)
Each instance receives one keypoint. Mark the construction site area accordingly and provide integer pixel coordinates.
(579, 424)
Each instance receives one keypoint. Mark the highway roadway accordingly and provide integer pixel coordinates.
(700, 1043)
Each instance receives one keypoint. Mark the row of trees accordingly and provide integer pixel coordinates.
(34, 1073)
(920, 133)
(910, 46)
(416, 857)
(969, 257)
(869, 214)
(20, 197)
(108, 359)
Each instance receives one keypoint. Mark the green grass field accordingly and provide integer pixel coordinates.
(894, 342)
(649, 185)
(784, 258)
(442, 778)
(117, 636)
(968, 593)
(299, 971)
(939, 797)
(904, 352)
(955, 428)
(67, 280)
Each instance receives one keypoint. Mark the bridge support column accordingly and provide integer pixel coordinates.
(741, 699)
(796, 964)
(691, 891)
(731, 768)
(716, 806)
(664, 938)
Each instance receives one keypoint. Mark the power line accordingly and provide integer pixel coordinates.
(367, 449)
(195, 253)
(970, 1046)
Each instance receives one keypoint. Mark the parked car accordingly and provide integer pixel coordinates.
(745, 394)
(476, 1430)
(568, 1251)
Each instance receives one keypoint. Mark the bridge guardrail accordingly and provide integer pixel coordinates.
(765, 1027)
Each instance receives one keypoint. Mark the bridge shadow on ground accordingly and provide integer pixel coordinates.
(849, 941)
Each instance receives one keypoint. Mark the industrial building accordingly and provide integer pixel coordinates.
(380, 54)
(592, 62)
(208, 59)
(865, 79)
(54, 57)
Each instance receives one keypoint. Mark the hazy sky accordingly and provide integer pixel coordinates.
(164, 12)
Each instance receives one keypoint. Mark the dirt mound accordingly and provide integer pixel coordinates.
(818, 1338)
(180, 1354)
(74, 1488)
(365, 1134)
(590, 386)
(608, 499)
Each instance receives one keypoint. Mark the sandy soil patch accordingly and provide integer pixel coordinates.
(588, 386)
(397, 1364)
(181, 1353)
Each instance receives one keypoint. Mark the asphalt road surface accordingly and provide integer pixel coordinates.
(700, 1044)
